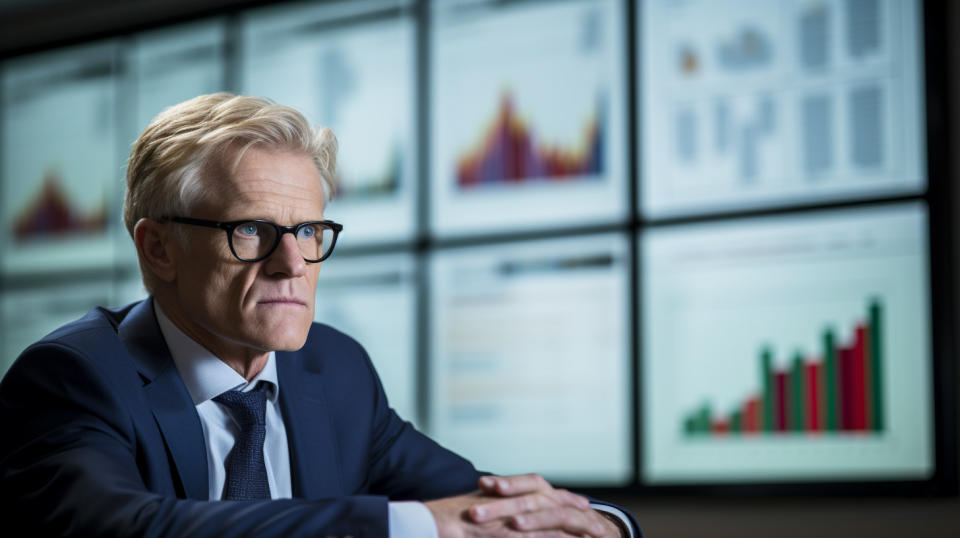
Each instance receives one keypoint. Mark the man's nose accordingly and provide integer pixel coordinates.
(286, 259)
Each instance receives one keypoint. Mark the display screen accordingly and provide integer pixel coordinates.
(356, 78)
(175, 64)
(527, 113)
(373, 299)
(60, 174)
(788, 348)
(755, 103)
(530, 357)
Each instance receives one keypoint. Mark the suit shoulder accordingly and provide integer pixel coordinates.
(90, 337)
(88, 331)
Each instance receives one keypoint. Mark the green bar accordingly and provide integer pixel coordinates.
(799, 393)
(690, 425)
(876, 363)
(766, 373)
(830, 380)
(704, 419)
(736, 421)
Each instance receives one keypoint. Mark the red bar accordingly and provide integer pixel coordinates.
(760, 411)
(813, 397)
(781, 386)
(751, 416)
(720, 426)
(867, 380)
(822, 400)
(845, 369)
(858, 382)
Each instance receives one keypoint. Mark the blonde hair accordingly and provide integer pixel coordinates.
(167, 165)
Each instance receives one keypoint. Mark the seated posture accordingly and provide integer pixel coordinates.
(216, 407)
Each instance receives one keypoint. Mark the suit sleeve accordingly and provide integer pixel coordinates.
(69, 465)
(407, 465)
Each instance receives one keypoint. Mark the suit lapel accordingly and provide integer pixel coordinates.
(168, 398)
(314, 465)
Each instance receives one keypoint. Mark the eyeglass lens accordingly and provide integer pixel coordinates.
(253, 240)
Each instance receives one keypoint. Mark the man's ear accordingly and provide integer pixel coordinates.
(156, 248)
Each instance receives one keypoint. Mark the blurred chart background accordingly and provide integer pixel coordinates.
(661, 243)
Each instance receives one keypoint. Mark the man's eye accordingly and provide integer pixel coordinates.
(307, 232)
(248, 229)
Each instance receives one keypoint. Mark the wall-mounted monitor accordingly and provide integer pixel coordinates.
(794, 348)
(528, 113)
(172, 65)
(530, 361)
(60, 173)
(756, 103)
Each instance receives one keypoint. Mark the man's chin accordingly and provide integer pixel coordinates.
(290, 346)
(276, 337)
(286, 340)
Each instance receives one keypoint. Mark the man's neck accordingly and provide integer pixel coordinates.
(245, 361)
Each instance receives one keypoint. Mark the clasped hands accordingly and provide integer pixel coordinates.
(519, 506)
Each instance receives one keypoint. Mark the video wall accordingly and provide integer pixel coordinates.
(658, 243)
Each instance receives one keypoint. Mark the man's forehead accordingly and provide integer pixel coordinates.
(271, 180)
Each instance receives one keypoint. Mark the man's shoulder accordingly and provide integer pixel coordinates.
(95, 335)
(76, 353)
(91, 329)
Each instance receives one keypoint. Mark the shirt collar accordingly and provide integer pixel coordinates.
(206, 376)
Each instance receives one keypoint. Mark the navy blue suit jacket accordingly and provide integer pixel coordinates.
(99, 436)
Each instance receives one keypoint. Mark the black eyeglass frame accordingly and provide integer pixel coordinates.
(230, 226)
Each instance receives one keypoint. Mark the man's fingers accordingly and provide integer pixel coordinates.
(510, 506)
(509, 486)
(572, 499)
(513, 485)
(565, 519)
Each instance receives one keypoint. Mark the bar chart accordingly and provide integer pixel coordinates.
(510, 151)
(787, 348)
(839, 391)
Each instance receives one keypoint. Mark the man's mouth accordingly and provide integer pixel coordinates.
(282, 300)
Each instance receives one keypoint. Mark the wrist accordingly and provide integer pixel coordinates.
(616, 523)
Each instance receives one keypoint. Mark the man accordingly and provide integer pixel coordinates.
(220, 388)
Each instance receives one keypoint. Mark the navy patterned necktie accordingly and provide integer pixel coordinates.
(246, 470)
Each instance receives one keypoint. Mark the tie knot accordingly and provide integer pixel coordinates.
(249, 408)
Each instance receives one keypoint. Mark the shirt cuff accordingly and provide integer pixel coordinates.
(614, 512)
(410, 519)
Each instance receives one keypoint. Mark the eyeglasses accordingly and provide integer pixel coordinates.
(254, 240)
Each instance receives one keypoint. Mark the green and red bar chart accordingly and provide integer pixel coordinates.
(838, 391)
